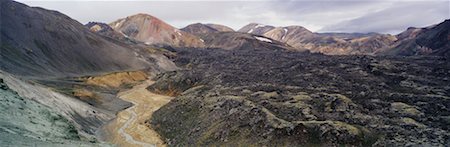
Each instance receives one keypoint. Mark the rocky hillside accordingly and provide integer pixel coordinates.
(39, 42)
(242, 41)
(198, 29)
(26, 122)
(327, 43)
(220, 28)
(278, 98)
(106, 31)
(433, 40)
(255, 28)
(151, 30)
(347, 36)
(85, 118)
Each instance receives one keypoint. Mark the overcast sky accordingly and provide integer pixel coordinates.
(383, 16)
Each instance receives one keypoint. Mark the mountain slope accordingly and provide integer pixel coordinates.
(242, 41)
(220, 28)
(106, 30)
(198, 28)
(433, 40)
(327, 43)
(255, 28)
(151, 30)
(39, 42)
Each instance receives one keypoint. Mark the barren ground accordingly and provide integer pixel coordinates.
(129, 129)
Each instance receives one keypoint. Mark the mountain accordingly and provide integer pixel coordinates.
(295, 36)
(255, 28)
(40, 42)
(226, 38)
(151, 30)
(106, 30)
(220, 28)
(327, 43)
(242, 41)
(433, 40)
(347, 36)
(198, 29)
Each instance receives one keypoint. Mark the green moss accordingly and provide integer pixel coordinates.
(270, 95)
(405, 109)
(352, 130)
(411, 122)
(342, 98)
(302, 97)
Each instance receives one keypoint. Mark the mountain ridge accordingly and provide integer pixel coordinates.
(151, 30)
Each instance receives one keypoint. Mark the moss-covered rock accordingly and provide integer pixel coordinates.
(405, 109)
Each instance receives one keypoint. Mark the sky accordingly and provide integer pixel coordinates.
(382, 16)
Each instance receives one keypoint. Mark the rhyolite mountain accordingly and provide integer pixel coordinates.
(432, 40)
(220, 28)
(225, 38)
(199, 28)
(327, 43)
(347, 36)
(151, 30)
(106, 30)
(243, 41)
(40, 42)
(256, 28)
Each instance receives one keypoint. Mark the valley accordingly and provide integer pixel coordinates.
(139, 81)
(129, 128)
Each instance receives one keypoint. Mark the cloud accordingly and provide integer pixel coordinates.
(396, 18)
(321, 15)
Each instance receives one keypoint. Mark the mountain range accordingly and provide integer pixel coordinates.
(295, 38)
(354, 43)
(139, 81)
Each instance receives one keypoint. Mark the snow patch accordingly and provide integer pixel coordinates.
(285, 33)
(119, 23)
(178, 32)
(259, 26)
(263, 39)
(202, 40)
(251, 30)
(126, 36)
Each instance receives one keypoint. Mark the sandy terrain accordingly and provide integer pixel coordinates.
(129, 129)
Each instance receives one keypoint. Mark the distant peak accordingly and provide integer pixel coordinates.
(197, 23)
(255, 24)
(142, 15)
(411, 28)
